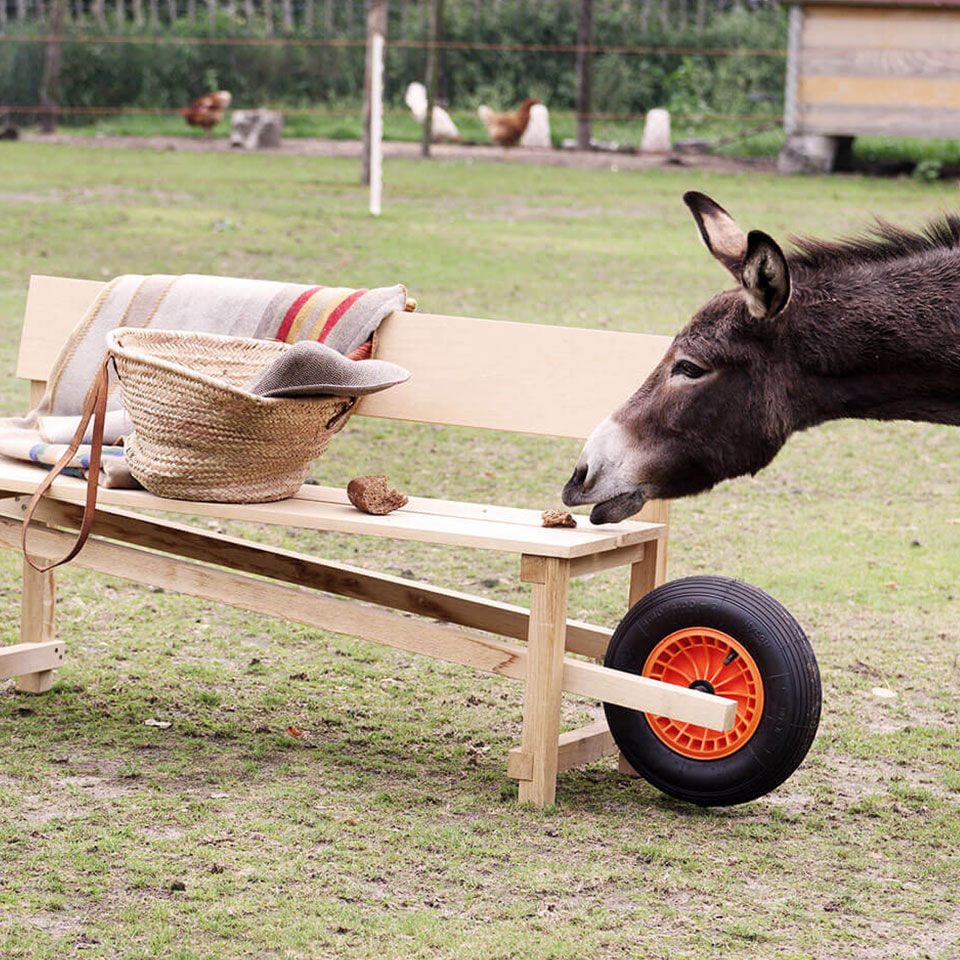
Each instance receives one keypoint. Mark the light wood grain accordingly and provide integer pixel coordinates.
(399, 593)
(55, 305)
(448, 643)
(925, 93)
(544, 683)
(30, 659)
(830, 61)
(468, 372)
(37, 622)
(863, 27)
(878, 121)
(405, 524)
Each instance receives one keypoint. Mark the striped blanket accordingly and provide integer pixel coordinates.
(342, 318)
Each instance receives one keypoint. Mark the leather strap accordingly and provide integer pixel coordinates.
(95, 407)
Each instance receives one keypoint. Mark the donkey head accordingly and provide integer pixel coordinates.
(716, 405)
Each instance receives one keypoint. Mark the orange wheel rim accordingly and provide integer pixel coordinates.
(703, 658)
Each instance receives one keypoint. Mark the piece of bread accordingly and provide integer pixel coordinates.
(372, 495)
(558, 518)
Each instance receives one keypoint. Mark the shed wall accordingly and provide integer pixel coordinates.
(877, 70)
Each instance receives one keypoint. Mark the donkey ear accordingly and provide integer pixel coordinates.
(766, 276)
(723, 238)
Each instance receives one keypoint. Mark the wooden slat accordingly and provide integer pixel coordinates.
(468, 372)
(522, 377)
(880, 63)
(181, 540)
(879, 121)
(578, 747)
(544, 683)
(859, 28)
(55, 305)
(452, 644)
(925, 93)
(604, 561)
(406, 524)
(18, 659)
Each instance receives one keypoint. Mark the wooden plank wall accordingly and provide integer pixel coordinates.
(876, 70)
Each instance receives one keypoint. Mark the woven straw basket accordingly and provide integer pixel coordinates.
(199, 435)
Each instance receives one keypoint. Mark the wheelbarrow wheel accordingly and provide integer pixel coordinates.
(725, 637)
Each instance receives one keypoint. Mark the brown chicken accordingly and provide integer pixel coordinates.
(506, 129)
(207, 111)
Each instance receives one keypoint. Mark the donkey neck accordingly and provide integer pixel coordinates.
(880, 340)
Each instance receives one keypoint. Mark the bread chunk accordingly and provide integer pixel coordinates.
(558, 518)
(372, 495)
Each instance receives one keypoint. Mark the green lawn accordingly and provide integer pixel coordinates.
(389, 829)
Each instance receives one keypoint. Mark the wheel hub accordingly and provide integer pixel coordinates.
(707, 659)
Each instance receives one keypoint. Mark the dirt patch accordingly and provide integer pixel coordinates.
(308, 146)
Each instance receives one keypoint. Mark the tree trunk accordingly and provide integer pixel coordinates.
(154, 14)
(3, 15)
(138, 12)
(21, 10)
(172, 11)
(682, 16)
(212, 14)
(192, 10)
(308, 15)
(328, 17)
(232, 10)
(664, 16)
(701, 15)
(120, 11)
(268, 17)
(52, 62)
(376, 23)
(248, 13)
(584, 74)
(435, 35)
(287, 7)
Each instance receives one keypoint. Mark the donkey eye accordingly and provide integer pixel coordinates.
(688, 369)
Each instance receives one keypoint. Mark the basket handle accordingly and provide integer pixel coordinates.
(95, 407)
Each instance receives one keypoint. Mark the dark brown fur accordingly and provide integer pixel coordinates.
(871, 330)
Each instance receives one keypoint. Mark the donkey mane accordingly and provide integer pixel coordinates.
(884, 242)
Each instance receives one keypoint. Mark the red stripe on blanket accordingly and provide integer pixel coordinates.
(291, 314)
(340, 310)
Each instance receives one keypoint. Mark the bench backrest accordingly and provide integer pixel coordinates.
(523, 377)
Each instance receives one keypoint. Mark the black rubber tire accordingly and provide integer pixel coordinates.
(787, 666)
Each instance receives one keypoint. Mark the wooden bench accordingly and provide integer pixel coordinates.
(467, 372)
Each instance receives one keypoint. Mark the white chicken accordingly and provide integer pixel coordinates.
(442, 128)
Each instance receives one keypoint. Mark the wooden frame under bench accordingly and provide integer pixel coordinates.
(466, 372)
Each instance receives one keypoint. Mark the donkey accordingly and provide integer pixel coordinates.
(867, 327)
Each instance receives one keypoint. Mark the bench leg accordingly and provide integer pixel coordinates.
(645, 576)
(36, 623)
(543, 687)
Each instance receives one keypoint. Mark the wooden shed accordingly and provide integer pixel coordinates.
(869, 67)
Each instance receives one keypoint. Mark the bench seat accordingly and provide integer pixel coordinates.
(483, 526)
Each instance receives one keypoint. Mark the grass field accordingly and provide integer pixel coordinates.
(389, 828)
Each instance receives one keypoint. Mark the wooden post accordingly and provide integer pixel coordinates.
(543, 687)
(430, 81)
(376, 125)
(52, 62)
(645, 576)
(36, 623)
(584, 74)
(376, 24)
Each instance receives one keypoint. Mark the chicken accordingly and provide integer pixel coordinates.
(208, 111)
(506, 129)
(442, 127)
